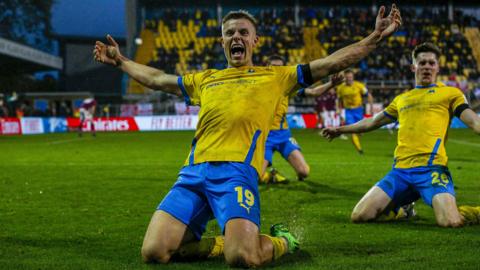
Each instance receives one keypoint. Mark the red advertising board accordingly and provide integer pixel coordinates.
(10, 126)
(105, 124)
(310, 120)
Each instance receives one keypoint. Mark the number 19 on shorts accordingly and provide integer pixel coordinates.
(245, 198)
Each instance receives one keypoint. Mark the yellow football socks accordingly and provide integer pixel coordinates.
(266, 177)
(470, 214)
(207, 247)
(279, 246)
(356, 142)
(392, 215)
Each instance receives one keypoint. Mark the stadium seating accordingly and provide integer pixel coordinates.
(187, 41)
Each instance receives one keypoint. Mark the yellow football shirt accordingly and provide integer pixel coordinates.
(237, 107)
(280, 118)
(351, 95)
(424, 115)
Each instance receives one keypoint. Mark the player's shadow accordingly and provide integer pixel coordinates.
(198, 262)
(346, 220)
(340, 248)
(313, 188)
(418, 223)
(286, 261)
(429, 225)
(290, 260)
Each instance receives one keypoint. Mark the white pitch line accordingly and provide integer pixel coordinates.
(464, 142)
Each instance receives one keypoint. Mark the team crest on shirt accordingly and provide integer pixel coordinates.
(431, 91)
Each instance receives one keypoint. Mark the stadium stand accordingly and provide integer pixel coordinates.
(183, 43)
(186, 40)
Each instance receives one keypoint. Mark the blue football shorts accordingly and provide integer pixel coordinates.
(280, 141)
(353, 115)
(404, 186)
(220, 190)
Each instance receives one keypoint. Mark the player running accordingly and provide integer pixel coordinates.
(220, 176)
(280, 138)
(350, 97)
(420, 163)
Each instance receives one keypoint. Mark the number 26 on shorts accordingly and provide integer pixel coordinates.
(439, 179)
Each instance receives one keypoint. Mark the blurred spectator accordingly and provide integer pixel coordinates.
(106, 111)
(87, 112)
(3, 109)
(64, 110)
(337, 26)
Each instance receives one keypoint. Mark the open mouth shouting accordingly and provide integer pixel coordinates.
(237, 51)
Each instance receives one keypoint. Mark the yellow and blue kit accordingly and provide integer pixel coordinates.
(420, 164)
(237, 107)
(351, 96)
(280, 138)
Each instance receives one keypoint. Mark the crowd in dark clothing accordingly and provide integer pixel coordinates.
(277, 28)
(390, 61)
(14, 105)
(166, 60)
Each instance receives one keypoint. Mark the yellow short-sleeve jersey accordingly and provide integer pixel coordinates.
(424, 115)
(237, 107)
(351, 95)
(280, 118)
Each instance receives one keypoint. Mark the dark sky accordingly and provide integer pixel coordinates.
(92, 18)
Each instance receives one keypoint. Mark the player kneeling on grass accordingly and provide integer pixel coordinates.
(420, 163)
(220, 176)
(280, 138)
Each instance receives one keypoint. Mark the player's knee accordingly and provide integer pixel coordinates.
(355, 217)
(303, 171)
(450, 222)
(361, 216)
(152, 253)
(242, 257)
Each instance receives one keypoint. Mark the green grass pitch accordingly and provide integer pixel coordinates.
(84, 203)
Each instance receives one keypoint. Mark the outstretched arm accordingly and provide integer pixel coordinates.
(365, 125)
(335, 80)
(147, 76)
(471, 119)
(352, 54)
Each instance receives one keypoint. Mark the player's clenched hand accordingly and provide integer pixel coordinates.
(330, 133)
(388, 25)
(336, 79)
(107, 54)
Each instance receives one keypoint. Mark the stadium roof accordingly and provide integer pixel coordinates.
(15, 56)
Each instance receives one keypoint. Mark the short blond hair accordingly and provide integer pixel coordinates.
(239, 14)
